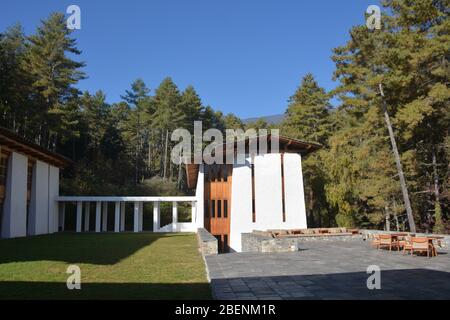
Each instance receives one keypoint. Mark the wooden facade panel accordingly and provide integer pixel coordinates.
(218, 199)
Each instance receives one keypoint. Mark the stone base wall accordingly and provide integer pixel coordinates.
(260, 242)
(334, 238)
(257, 243)
(207, 242)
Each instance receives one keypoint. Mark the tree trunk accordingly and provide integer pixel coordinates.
(311, 207)
(180, 172)
(435, 176)
(136, 168)
(165, 154)
(388, 218)
(161, 158)
(149, 157)
(396, 222)
(409, 213)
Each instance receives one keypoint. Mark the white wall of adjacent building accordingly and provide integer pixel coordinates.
(43, 210)
(43, 207)
(14, 222)
(53, 193)
(268, 196)
(38, 215)
(199, 217)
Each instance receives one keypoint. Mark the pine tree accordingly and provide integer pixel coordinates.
(308, 111)
(308, 118)
(408, 56)
(54, 75)
(17, 111)
(191, 106)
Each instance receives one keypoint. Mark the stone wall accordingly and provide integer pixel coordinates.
(252, 242)
(334, 238)
(259, 242)
(207, 242)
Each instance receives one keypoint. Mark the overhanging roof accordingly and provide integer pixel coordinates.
(19, 144)
(286, 145)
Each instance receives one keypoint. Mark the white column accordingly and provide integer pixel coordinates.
(105, 217)
(98, 208)
(193, 212)
(79, 211)
(53, 192)
(122, 216)
(141, 216)
(15, 203)
(155, 216)
(199, 195)
(174, 216)
(294, 193)
(117, 217)
(38, 210)
(136, 217)
(87, 213)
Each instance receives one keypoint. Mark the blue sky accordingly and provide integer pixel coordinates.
(242, 56)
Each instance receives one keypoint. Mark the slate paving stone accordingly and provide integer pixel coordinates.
(328, 271)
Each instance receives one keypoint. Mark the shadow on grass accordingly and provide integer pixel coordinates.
(58, 290)
(101, 249)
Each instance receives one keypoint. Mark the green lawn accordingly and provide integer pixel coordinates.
(113, 266)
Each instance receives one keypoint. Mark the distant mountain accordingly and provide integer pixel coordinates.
(274, 119)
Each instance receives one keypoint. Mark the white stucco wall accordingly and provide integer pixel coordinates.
(268, 205)
(38, 211)
(241, 204)
(199, 217)
(294, 196)
(268, 196)
(53, 193)
(14, 222)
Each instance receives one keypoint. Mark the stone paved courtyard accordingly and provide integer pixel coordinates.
(325, 270)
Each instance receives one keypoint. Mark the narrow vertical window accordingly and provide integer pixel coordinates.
(219, 208)
(213, 208)
(219, 242)
(225, 173)
(218, 172)
(29, 187)
(225, 243)
(3, 170)
(225, 208)
(282, 188)
(206, 209)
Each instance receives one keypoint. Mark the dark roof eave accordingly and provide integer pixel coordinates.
(19, 144)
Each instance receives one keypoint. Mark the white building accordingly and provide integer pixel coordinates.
(29, 187)
(264, 193)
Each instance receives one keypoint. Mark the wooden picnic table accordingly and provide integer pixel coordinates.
(430, 240)
(396, 241)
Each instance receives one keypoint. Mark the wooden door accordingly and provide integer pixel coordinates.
(218, 179)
